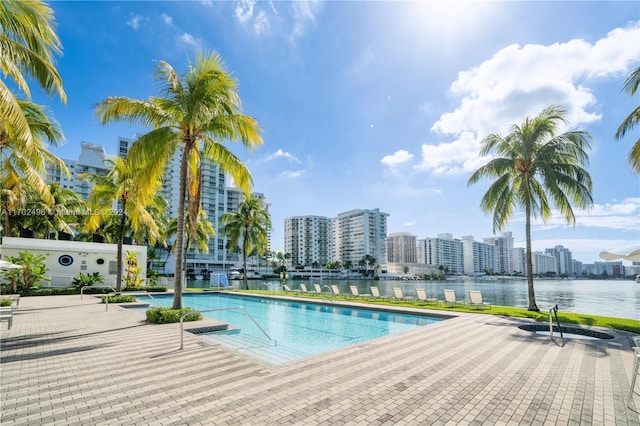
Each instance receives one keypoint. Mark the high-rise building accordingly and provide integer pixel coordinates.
(401, 248)
(358, 233)
(218, 197)
(543, 263)
(479, 258)
(443, 251)
(504, 243)
(91, 160)
(563, 260)
(308, 240)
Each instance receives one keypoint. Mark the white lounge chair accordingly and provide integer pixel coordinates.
(304, 289)
(354, 292)
(335, 290)
(421, 294)
(6, 314)
(288, 289)
(375, 293)
(398, 295)
(475, 299)
(450, 298)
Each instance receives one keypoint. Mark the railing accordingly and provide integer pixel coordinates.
(152, 298)
(554, 311)
(243, 310)
(106, 297)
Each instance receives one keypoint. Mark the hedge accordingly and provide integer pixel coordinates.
(168, 315)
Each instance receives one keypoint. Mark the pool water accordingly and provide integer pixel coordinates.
(298, 329)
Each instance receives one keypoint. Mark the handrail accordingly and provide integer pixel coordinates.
(106, 298)
(152, 298)
(554, 310)
(182, 317)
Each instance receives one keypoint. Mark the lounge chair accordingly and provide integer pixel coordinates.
(318, 288)
(304, 289)
(450, 298)
(355, 293)
(398, 295)
(375, 293)
(6, 314)
(335, 290)
(288, 289)
(421, 294)
(475, 299)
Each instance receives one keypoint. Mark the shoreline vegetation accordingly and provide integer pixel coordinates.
(623, 324)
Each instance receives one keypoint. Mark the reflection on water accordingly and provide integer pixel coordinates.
(610, 298)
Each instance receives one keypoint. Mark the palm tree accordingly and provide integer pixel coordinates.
(631, 85)
(533, 168)
(199, 236)
(199, 112)
(132, 194)
(61, 214)
(28, 45)
(23, 163)
(248, 228)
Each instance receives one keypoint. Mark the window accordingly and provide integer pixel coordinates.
(113, 267)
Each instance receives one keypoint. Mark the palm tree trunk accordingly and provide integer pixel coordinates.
(532, 296)
(177, 280)
(119, 252)
(244, 261)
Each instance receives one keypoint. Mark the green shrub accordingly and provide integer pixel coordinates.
(97, 290)
(49, 291)
(6, 302)
(168, 315)
(87, 280)
(119, 298)
(150, 289)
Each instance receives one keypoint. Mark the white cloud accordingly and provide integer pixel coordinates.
(261, 23)
(281, 154)
(452, 157)
(520, 81)
(397, 158)
(621, 215)
(167, 19)
(303, 14)
(409, 223)
(190, 40)
(293, 174)
(134, 22)
(244, 10)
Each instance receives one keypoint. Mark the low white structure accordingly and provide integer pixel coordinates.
(67, 259)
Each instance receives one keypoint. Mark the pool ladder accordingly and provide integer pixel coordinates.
(240, 308)
(554, 312)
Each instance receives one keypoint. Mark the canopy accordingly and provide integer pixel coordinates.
(634, 256)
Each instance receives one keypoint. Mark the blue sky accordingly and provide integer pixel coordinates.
(380, 104)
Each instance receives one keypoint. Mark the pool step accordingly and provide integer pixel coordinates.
(256, 347)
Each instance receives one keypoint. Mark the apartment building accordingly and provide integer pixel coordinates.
(402, 248)
(479, 258)
(357, 233)
(504, 243)
(308, 240)
(443, 251)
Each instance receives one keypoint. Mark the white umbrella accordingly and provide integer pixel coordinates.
(634, 256)
(6, 265)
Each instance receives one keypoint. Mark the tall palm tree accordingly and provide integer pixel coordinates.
(248, 228)
(533, 167)
(631, 85)
(60, 215)
(23, 163)
(28, 46)
(199, 112)
(132, 194)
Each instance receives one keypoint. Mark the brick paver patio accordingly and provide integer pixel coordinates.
(66, 361)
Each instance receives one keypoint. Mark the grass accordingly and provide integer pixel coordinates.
(564, 317)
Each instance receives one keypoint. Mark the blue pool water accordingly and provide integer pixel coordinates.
(299, 329)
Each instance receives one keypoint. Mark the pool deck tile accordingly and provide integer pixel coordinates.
(68, 361)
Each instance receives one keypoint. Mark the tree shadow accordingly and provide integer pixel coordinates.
(5, 359)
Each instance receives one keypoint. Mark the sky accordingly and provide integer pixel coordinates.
(380, 104)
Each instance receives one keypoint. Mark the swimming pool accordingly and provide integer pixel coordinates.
(299, 329)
